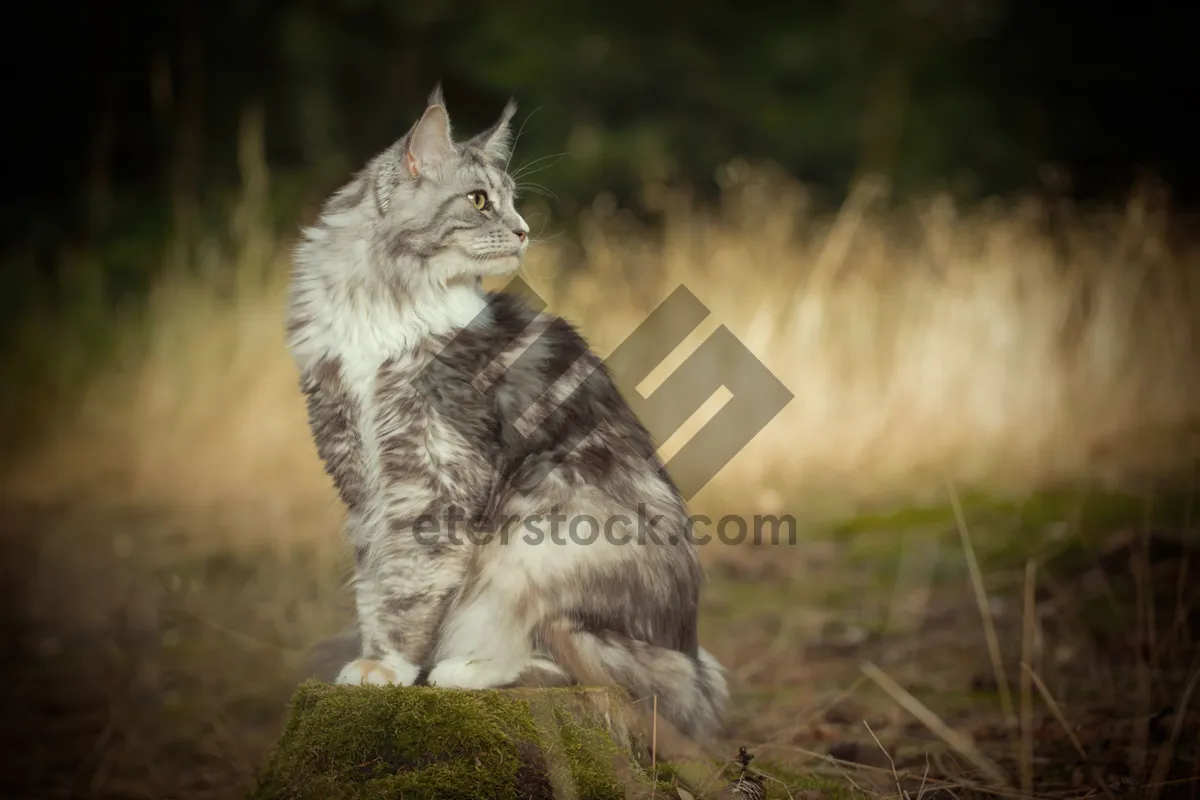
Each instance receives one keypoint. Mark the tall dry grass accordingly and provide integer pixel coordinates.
(1011, 345)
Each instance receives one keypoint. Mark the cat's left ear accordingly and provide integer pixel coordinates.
(496, 142)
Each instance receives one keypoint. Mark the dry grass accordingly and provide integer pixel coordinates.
(981, 346)
(991, 346)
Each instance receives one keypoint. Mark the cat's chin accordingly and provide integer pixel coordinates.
(468, 271)
(497, 266)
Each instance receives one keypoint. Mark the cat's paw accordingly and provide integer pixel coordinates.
(389, 672)
(466, 673)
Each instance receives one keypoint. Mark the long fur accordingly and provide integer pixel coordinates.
(511, 522)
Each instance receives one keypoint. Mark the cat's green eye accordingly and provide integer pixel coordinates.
(479, 199)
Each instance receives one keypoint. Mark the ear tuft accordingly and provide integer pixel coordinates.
(497, 141)
(510, 111)
(436, 98)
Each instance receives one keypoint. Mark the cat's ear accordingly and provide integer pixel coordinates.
(429, 143)
(497, 141)
(418, 153)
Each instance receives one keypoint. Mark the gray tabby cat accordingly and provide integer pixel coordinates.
(477, 444)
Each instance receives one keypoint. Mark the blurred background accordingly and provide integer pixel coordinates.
(961, 232)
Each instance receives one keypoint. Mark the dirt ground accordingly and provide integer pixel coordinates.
(143, 661)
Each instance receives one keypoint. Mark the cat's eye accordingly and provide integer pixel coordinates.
(479, 199)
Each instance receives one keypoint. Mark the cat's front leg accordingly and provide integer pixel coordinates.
(406, 631)
(412, 588)
(393, 617)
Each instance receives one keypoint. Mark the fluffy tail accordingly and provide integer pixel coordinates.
(691, 693)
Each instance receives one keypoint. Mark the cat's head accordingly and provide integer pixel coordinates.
(436, 210)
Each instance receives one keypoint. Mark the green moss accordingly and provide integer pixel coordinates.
(421, 742)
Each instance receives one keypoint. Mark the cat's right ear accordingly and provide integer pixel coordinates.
(497, 141)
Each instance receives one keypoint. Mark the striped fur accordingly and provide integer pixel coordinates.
(476, 443)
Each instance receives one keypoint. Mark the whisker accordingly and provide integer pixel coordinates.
(544, 239)
(537, 188)
(538, 235)
(517, 138)
(527, 167)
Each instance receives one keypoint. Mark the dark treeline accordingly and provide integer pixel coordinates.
(127, 105)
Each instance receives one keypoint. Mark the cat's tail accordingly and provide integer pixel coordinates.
(691, 693)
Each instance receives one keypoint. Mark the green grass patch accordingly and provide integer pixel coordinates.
(1060, 525)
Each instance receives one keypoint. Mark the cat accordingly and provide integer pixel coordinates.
(466, 434)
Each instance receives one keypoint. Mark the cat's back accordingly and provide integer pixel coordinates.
(556, 363)
(559, 397)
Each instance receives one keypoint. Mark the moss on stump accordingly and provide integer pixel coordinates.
(352, 742)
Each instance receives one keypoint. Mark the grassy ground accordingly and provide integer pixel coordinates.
(153, 665)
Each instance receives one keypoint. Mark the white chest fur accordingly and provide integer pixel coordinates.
(363, 337)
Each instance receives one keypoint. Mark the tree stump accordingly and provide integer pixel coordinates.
(358, 742)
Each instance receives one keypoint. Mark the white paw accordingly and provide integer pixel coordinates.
(466, 673)
(391, 671)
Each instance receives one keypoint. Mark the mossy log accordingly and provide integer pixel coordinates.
(357, 742)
